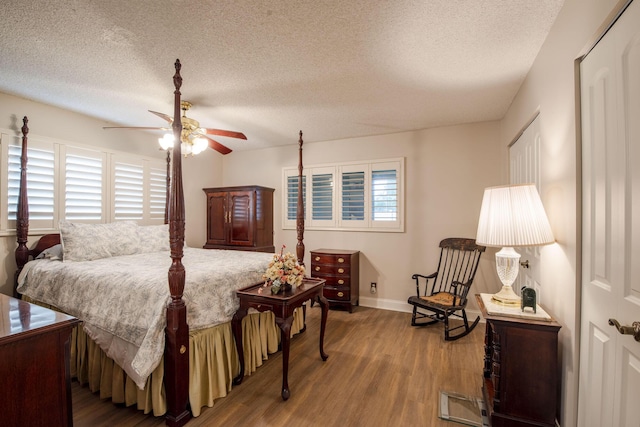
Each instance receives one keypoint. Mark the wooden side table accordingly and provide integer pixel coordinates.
(282, 305)
(34, 364)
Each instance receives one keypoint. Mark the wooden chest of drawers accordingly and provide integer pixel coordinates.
(34, 365)
(520, 370)
(341, 270)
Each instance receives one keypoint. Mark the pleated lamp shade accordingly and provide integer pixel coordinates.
(513, 216)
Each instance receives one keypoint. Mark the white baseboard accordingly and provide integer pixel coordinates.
(403, 306)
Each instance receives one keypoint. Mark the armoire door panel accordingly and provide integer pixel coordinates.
(216, 219)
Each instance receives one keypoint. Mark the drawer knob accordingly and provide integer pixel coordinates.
(340, 260)
(183, 349)
(340, 294)
(341, 270)
(340, 282)
(317, 258)
(317, 268)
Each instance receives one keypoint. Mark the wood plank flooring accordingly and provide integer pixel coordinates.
(381, 371)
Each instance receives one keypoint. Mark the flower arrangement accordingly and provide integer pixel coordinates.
(284, 272)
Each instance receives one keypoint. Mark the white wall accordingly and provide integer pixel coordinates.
(550, 88)
(446, 171)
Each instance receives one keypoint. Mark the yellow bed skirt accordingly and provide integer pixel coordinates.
(213, 363)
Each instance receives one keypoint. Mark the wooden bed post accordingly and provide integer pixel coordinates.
(168, 196)
(22, 214)
(300, 208)
(176, 353)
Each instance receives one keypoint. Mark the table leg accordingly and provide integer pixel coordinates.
(324, 304)
(285, 327)
(304, 317)
(236, 327)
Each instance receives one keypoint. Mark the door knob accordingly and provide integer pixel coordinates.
(634, 329)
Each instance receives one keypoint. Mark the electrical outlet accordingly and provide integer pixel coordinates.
(374, 287)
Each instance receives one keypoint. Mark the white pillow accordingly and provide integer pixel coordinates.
(86, 242)
(153, 238)
(53, 253)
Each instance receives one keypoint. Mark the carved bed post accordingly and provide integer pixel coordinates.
(22, 214)
(176, 354)
(300, 208)
(168, 178)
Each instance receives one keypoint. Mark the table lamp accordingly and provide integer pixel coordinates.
(512, 216)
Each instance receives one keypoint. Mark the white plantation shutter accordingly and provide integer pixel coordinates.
(384, 195)
(387, 195)
(353, 200)
(157, 192)
(128, 191)
(322, 197)
(83, 187)
(292, 196)
(40, 184)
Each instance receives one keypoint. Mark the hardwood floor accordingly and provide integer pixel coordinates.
(381, 371)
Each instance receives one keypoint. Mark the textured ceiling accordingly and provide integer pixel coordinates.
(335, 69)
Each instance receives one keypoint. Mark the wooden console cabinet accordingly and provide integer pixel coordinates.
(520, 386)
(34, 365)
(341, 270)
(240, 218)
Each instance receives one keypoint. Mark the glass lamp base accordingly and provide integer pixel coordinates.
(507, 264)
(506, 296)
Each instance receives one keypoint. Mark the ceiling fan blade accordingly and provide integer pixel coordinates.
(229, 133)
(217, 146)
(135, 127)
(164, 116)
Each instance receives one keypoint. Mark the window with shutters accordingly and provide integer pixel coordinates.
(291, 187)
(82, 184)
(157, 192)
(353, 196)
(128, 191)
(362, 196)
(40, 184)
(385, 195)
(322, 197)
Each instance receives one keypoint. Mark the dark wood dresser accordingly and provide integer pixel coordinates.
(34, 365)
(520, 386)
(341, 270)
(240, 218)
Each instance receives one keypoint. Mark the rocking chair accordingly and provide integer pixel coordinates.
(444, 293)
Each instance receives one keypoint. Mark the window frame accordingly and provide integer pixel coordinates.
(337, 170)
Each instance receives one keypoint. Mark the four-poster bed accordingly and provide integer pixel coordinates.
(182, 390)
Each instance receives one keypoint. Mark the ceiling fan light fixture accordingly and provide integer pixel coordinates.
(198, 145)
(189, 146)
(186, 148)
(166, 142)
(193, 138)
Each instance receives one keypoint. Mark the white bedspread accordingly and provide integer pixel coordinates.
(122, 300)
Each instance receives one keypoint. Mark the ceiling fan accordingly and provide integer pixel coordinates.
(192, 137)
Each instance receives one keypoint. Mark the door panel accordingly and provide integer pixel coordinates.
(217, 218)
(610, 103)
(629, 408)
(598, 385)
(242, 205)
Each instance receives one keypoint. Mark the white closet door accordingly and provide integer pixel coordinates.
(610, 94)
(524, 168)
